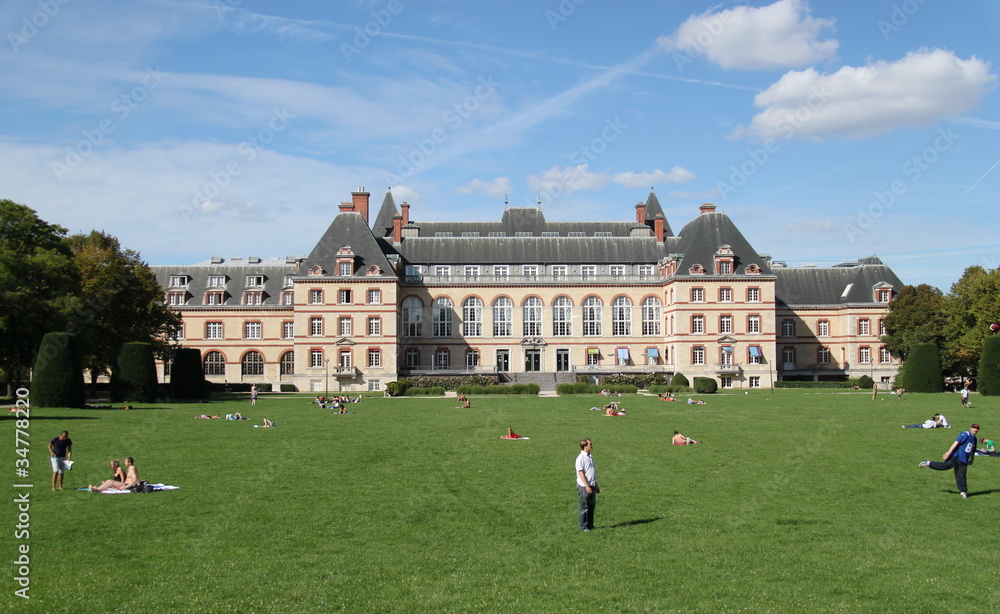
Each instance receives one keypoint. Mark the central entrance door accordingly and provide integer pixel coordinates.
(532, 361)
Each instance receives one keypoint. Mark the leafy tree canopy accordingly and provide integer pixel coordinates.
(969, 309)
(916, 315)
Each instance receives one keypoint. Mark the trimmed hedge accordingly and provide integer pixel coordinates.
(416, 391)
(705, 385)
(288, 388)
(989, 368)
(922, 369)
(187, 375)
(134, 377)
(639, 380)
(57, 378)
(666, 389)
(865, 383)
(811, 384)
(594, 389)
(500, 389)
(679, 380)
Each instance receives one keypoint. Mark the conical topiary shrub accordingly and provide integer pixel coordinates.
(134, 377)
(57, 377)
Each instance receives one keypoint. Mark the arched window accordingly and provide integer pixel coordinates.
(472, 317)
(562, 316)
(532, 311)
(215, 363)
(287, 363)
(592, 316)
(503, 315)
(651, 316)
(413, 317)
(621, 316)
(442, 313)
(253, 363)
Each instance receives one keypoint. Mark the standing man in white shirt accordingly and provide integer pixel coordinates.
(586, 485)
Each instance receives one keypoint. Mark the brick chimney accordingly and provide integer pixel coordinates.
(397, 228)
(640, 213)
(360, 199)
(658, 227)
(406, 212)
(708, 208)
(346, 207)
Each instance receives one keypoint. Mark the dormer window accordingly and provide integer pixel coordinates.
(255, 281)
(882, 296)
(179, 281)
(216, 281)
(345, 268)
(724, 260)
(752, 269)
(317, 270)
(176, 298)
(215, 298)
(253, 298)
(697, 270)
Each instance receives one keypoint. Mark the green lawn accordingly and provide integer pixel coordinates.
(797, 501)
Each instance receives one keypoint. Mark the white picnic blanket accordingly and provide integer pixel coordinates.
(115, 491)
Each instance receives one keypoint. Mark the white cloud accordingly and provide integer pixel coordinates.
(862, 101)
(780, 35)
(557, 181)
(639, 180)
(496, 187)
(813, 226)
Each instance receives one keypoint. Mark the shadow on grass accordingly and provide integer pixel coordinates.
(973, 494)
(631, 523)
(34, 418)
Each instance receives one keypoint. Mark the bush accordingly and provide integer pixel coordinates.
(57, 378)
(666, 389)
(679, 380)
(264, 388)
(288, 388)
(187, 375)
(580, 388)
(705, 385)
(922, 369)
(989, 367)
(812, 384)
(433, 391)
(134, 377)
(501, 389)
(639, 380)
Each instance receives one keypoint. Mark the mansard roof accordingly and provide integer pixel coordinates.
(846, 283)
(530, 250)
(702, 237)
(349, 229)
(234, 272)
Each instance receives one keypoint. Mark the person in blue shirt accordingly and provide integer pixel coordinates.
(958, 457)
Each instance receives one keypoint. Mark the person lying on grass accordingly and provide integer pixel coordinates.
(207, 417)
(681, 440)
(131, 478)
(512, 435)
(693, 402)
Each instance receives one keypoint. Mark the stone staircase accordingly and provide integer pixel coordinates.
(546, 381)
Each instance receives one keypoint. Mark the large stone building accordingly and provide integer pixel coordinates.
(527, 299)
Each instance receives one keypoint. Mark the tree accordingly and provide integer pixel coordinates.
(922, 369)
(134, 376)
(989, 367)
(57, 379)
(679, 380)
(187, 375)
(916, 315)
(121, 301)
(969, 309)
(38, 285)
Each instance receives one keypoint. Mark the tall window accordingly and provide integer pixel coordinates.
(287, 363)
(562, 316)
(697, 324)
(881, 328)
(472, 317)
(315, 297)
(316, 326)
(698, 355)
(788, 355)
(753, 324)
(725, 295)
(592, 316)
(787, 328)
(472, 359)
(344, 326)
(559, 271)
(501, 272)
(532, 311)
(374, 357)
(884, 355)
(253, 363)
(215, 364)
(593, 357)
(471, 272)
(345, 360)
(213, 330)
(883, 296)
(697, 295)
(864, 327)
(442, 359)
(753, 295)
(725, 324)
(530, 272)
(651, 316)
(315, 358)
(644, 271)
(346, 268)
(588, 271)
(374, 297)
(503, 315)
(176, 332)
(621, 316)
(253, 298)
(413, 317)
(344, 296)
(442, 316)
(412, 358)
(725, 267)
(287, 330)
(823, 356)
(617, 271)
(823, 328)
(864, 355)
(251, 330)
(374, 327)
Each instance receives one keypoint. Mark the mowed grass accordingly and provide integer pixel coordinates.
(797, 501)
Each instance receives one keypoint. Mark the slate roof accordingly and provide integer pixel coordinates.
(847, 283)
(531, 250)
(235, 271)
(701, 238)
(653, 209)
(349, 228)
(383, 221)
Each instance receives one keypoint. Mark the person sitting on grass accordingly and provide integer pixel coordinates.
(268, 424)
(462, 398)
(989, 448)
(693, 402)
(466, 404)
(612, 409)
(128, 479)
(942, 422)
(681, 440)
(668, 397)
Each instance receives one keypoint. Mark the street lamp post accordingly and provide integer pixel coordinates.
(326, 378)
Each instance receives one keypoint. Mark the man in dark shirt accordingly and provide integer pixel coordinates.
(61, 449)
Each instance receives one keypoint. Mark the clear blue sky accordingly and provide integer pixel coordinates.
(828, 130)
